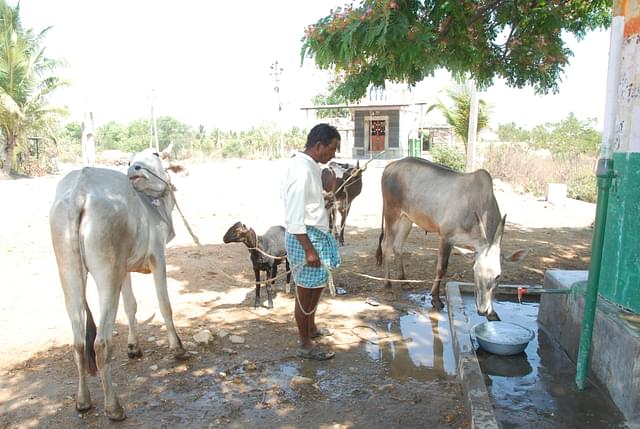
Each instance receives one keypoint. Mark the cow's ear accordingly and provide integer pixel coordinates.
(516, 256)
(469, 254)
(178, 169)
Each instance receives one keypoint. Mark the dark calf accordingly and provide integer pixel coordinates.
(346, 181)
(267, 252)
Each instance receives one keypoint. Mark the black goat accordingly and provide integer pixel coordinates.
(271, 243)
(333, 178)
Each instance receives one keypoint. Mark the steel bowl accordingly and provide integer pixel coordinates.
(502, 338)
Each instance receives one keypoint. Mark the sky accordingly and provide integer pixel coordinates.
(209, 63)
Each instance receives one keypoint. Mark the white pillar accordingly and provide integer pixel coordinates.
(473, 128)
(88, 140)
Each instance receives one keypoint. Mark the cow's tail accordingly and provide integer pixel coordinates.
(90, 325)
(89, 340)
(379, 251)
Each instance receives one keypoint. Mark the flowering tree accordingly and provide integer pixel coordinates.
(408, 40)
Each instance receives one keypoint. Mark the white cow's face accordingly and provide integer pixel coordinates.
(147, 174)
(486, 273)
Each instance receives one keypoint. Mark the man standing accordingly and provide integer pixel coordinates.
(311, 248)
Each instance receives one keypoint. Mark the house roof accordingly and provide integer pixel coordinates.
(359, 106)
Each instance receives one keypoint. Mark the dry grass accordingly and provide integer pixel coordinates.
(530, 171)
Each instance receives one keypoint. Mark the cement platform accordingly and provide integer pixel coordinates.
(615, 351)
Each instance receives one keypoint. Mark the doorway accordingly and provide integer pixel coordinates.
(376, 133)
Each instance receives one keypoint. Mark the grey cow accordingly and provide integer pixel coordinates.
(459, 207)
(110, 224)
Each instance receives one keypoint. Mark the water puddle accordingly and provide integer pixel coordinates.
(417, 345)
(536, 387)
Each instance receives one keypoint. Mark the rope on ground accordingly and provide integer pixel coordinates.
(386, 279)
(366, 340)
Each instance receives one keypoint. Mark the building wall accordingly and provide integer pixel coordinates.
(393, 131)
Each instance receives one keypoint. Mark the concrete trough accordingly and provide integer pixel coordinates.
(477, 398)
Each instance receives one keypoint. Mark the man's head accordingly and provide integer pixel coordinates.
(322, 142)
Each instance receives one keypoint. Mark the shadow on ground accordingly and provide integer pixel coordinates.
(392, 368)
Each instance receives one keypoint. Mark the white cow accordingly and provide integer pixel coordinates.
(110, 224)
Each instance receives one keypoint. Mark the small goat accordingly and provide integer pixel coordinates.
(271, 243)
(334, 177)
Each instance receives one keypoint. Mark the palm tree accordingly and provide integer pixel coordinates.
(26, 82)
(458, 114)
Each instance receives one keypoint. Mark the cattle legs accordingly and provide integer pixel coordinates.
(75, 309)
(160, 278)
(344, 212)
(441, 270)
(109, 293)
(268, 282)
(393, 240)
(130, 308)
(73, 278)
(287, 287)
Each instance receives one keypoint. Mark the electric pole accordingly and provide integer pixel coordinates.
(154, 127)
(276, 72)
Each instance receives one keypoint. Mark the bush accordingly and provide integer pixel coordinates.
(233, 149)
(530, 171)
(449, 156)
(583, 186)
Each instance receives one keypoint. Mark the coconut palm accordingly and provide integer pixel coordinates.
(458, 114)
(26, 82)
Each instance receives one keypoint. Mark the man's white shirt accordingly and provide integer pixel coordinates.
(301, 192)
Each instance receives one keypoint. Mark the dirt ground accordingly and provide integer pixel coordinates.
(259, 382)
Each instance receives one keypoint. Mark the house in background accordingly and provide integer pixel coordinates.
(386, 124)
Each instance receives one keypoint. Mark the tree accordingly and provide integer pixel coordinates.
(172, 130)
(457, 115)
(111, 136)
(408, 40)
(568, 138)
(512, 133)
(26, 82)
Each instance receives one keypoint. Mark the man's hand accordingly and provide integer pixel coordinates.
(311, 256)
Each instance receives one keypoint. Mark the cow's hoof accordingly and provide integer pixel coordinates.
(82, 407)
(134, 351)
(437, 304)
(393, 294)
(271, 306)
(180, 354)
(116, 414)
(493, 317)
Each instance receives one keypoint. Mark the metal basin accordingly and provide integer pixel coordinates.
(502, 338)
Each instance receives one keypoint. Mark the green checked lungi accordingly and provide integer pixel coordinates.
(327, 249)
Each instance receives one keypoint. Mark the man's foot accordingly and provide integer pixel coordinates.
(322, 332)
(316, 354)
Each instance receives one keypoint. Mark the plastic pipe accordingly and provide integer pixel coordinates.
(605, 174)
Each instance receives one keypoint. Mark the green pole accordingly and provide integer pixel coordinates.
(604, 174)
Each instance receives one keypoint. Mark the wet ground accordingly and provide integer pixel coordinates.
(536, 388)
(394, 368)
